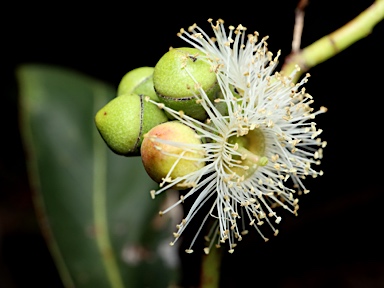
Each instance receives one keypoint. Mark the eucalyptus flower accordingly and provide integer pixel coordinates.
(258, 144)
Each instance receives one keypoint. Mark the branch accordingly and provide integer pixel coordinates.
(299, 25)
(332, 44)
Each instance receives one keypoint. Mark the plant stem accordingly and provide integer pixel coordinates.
(210, 270)
(331, 44)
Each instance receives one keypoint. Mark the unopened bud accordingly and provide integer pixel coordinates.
(124, 120)
(177, 79)
(138, 81)
(170, 150)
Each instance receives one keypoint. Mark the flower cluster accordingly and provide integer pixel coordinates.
(258, 143)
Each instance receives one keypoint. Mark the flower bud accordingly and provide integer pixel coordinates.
(172, 150)
(124, 120)
(138, 81)
(176, 79)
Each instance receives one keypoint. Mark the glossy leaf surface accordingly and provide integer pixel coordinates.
(94, 206)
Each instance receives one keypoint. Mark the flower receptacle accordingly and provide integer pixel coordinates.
(252, 148)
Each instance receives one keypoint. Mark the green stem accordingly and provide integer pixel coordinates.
(100, 211)
(210, 270)
(332, 44)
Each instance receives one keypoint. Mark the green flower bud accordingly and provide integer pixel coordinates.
(138, 81)
(176, 77)
(124, 120)
(177, 139)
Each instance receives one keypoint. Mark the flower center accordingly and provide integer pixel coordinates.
(252, 148)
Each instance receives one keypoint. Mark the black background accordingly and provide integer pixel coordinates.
(335, 242)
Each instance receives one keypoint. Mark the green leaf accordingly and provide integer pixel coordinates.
(94, 206)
